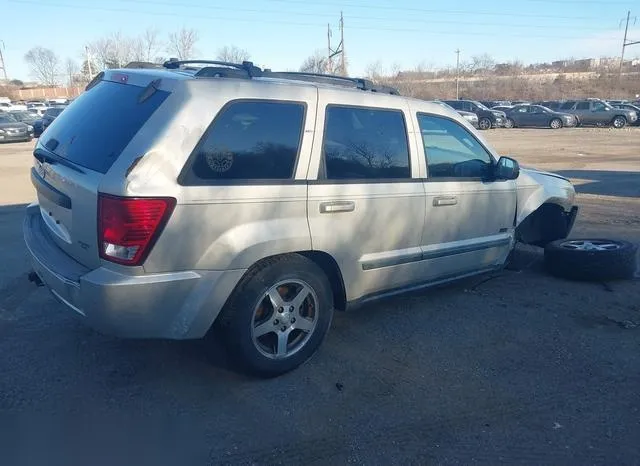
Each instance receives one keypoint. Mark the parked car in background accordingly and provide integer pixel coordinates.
(633, 108)
(49, 115)
(596, 112)
(487, 118)
(550, 104)
(12, 130)
(502, 108)
(495, 103)
(8, 106)
(537, 116)
(23, 116)
(38, 111)
(469, 116)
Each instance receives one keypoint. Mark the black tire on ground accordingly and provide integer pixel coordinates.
(591, 259)
(509, 123)
(619, 122)
(236, 322)
(556, 123)
(484, 123)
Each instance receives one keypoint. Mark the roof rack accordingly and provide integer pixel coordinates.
(359, 83)
(142, 65)
(248, 67)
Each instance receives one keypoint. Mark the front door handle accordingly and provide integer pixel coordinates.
(337, 206)
(444, 201)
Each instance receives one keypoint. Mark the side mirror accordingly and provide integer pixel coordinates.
(506, 169)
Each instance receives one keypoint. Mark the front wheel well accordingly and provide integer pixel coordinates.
(330, 267)
(547, 223)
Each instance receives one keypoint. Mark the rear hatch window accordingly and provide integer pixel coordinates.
(95, 129)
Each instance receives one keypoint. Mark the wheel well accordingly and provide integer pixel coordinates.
(547, 223)
(330, 267)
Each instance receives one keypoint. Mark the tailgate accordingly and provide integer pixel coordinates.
(76, 152)
(68, 199)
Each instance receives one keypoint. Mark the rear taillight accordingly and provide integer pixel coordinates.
(128, 227)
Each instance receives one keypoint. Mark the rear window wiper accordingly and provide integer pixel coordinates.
(43, 156)
(149, 90)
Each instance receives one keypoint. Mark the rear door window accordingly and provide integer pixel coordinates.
(100, 124)
(365, 144)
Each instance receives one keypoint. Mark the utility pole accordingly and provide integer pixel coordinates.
(457, 74)
(625, 42)
(2, 65)
(343, 66)
(339, 50)
(88, 59)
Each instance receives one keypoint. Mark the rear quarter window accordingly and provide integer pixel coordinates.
(248, 140)
(95, 129)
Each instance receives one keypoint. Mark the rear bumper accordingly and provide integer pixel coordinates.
(178, 305)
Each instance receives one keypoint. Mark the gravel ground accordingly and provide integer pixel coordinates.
(513, 368)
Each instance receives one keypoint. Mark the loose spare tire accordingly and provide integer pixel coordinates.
(591, 259)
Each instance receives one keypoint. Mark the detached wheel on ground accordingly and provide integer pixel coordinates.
(509, 123)
(619, 122)
(278, 316)
(591, 259)
(556, 123)
(484, 123)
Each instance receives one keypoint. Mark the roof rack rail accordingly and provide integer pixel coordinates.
(249, 68)
(142, 64)
(359, 83)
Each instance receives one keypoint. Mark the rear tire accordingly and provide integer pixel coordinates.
(591, 259)
(484, 124)
(619, 122)
(277, 316)
(556, 123)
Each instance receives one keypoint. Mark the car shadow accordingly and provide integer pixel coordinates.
(604, 183)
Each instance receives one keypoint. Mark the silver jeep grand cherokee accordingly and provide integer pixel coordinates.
(170, 200)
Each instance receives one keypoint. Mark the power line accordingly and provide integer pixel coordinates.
(423, 10)
(373, 18)
(302, 24)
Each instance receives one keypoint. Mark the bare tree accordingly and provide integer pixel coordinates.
(182, 43)
(316, 63)
(72, 71)
(233, 54)
(44, 64)
(150, 44)
(115, 50)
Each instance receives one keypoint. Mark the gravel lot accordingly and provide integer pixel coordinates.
(514, 368)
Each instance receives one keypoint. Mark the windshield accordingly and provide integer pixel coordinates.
(7, 119)
(23, 116)
(543, 109)
(100, 124)
(54, 111)
(482, 107)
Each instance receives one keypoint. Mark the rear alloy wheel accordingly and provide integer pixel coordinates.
(619, 122)
(591, 259)
(484, 123)
(556, 123)
(509, 123)
(278, 315)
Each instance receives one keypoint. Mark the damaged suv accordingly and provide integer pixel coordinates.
(176, 201)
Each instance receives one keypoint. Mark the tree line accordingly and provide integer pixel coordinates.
(117, 50)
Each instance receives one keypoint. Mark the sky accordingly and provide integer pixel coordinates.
(280, 34)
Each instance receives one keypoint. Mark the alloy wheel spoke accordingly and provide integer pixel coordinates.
(283, 339)
(275, 298)
(299, 299)
(263, 328)
(304, 324)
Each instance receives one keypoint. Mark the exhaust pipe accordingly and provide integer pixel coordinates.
(33, 277)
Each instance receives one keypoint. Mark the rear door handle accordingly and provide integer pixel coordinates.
(331, 207)
(444, 201)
